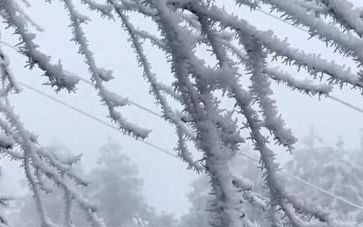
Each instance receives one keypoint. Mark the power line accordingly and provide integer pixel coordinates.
(360, 110)
(165, 151)
(279, 19)
(131, 102)
(92, 117)
(311, 185)
(146, 109)
(338, 100)
(324, 191)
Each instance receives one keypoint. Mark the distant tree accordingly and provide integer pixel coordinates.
(332, 169)
(248, 178)
(116, 187)
(4, 203)
(151, 218)
(199, 199)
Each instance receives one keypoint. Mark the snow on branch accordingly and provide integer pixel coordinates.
(344, 42)
(226, 208)
(42, 168)
(6, 74)
(279, 200)
(261, 88)
(27, 18)
(100, 75)
(344, 13)
(312, 62)
(306, 86)
(170, 115)
(170, 91)
(57, 77)
(36, 159)
(200, 104)
(104, 9)
(253, 4)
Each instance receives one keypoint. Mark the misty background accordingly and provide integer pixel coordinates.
(166, 179)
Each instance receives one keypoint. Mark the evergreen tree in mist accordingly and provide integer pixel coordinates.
(332, 168)
(199, 199)
(116, 187)
(247, 177)
(4, 203)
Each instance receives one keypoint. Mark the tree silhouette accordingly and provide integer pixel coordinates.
(332, 169)
(116, 188)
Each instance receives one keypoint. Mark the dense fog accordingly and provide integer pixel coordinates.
(181, 113)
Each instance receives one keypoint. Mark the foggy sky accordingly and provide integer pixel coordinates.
(166, 179)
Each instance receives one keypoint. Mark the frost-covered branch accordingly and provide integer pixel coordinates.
(344, 42)
(261, 88)
(278, 198)
(226, 79)
(6, 74)
(104, 9)
(54, 72)
(203, 111)
(35, 158)
(253, 4)
(27, 18)
(312, 62)
(100, 75)
(42, 168)
(306, 86)
(345, 14)
(169, 114)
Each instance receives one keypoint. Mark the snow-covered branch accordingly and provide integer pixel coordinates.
(345, 14)
(57, 77)
(262, 91)
(104, 9)
(312, 62)
(100, 75)
(305, 86)
(202, 108)
(344, 42)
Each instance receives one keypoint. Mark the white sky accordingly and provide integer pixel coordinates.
(166, 179)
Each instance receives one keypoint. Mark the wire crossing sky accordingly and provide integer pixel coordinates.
(165, 151)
